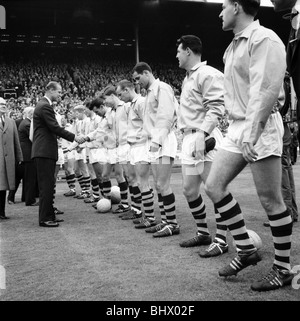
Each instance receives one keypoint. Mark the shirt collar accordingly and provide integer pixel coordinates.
(197, 66)
(135, 98)
(120, 104)
(50, 102)
(246, 33)
(154, 86)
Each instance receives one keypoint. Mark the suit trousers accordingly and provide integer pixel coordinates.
(29, 182)
(2, 203)
(19, 177)
(45, 168)
(287, 184)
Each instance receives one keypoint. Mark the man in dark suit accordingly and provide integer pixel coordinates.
(18, 176)
(29, 178)
(45, 151)
(10, 155)
(293, 46)
(293, 69)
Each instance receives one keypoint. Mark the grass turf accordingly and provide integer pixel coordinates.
(99, 257)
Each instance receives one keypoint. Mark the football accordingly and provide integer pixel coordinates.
(255, 239)
(115, 194)
(103, 205)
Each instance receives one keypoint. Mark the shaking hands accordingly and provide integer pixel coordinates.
(79, 139)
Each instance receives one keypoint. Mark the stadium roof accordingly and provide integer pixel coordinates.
(160, 22)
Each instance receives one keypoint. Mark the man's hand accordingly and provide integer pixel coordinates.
(249, 153)
(79, 149)
(154, 147)
(79, 139)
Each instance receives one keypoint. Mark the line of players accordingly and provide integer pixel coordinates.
(134, 135)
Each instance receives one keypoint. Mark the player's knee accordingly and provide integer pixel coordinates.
(77, 173)
(190, 193)
(211, 190)
(162, 187)
(105, 177)
(119, 177)
(271, 204)
(130, 179)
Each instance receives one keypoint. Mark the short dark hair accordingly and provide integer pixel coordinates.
(140, 67)
(109, 90)
(125, 83)
(97, 102)
(250, 7)
(192, 42)
(52, 85)
(87, 104)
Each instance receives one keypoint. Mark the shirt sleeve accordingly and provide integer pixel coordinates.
(165, 115)
(266, 73)
(212, 88)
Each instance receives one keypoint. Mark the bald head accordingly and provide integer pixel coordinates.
(28, 112)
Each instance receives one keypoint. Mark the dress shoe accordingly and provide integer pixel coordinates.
(70, 193)
(2, 217)
(58, 220)
(49, 224)
(10, 202)
(57, 211)
(34, 204)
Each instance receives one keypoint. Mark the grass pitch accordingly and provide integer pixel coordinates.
(99, 257)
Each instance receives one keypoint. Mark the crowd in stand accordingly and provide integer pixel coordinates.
(81, 79)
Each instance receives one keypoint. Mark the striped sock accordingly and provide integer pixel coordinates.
(137, 197)
(124, 193)
(198, 211)
(148, 204)
(169, 206)
(106, 188)
(71, 181)
(232, 216)
(132, 200)
(221, 231)
(95, 188)
(161, 208)
(87, 183)
(151, 190)
(80, 181)
(281, 227)
(101, 188)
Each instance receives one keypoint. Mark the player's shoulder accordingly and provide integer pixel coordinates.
(263, 33)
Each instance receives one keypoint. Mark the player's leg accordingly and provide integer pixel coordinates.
(162, 171)
(267, 178)
(225, 167)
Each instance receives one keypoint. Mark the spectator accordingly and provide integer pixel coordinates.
(10, 154)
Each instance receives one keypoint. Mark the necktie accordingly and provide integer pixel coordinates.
(3, 121)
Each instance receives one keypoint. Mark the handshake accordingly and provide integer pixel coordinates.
(80, 139)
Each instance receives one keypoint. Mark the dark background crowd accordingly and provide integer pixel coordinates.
(82, 76)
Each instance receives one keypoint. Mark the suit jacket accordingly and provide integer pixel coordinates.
(45, 131)
(10, 154)
(18, 122)
(25, 142)
(293, 64)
